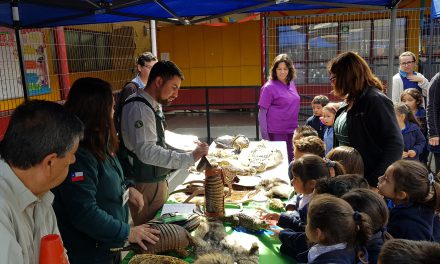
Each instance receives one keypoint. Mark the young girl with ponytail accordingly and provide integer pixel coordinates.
(413, 139)
(340, 233)
(414, 196)
(373, 204)
(304, 173)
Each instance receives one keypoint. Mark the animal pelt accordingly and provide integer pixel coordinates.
(155, 259)
(211, 238)
(275, 188)
(214, 258)
(267, 184)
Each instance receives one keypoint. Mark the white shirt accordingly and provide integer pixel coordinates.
(317, 250)
(138, 80)
(138, 128)
(24, 219)
(305, 199)
(398, 87)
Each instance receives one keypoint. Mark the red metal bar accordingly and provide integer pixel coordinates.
(262, 47)
(64, 79)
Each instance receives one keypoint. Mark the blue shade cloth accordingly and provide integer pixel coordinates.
(49, 13)
(435, 9)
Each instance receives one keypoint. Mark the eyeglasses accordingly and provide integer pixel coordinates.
(407, 63)
(332, 79)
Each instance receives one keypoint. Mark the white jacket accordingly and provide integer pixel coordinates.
(398, 87)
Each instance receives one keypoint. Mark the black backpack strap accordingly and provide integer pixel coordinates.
(138, 99)
(138, 168)
(133, 99)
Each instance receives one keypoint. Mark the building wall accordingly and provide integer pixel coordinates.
(214, 56)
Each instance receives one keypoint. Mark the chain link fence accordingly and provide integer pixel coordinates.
(312, 40)
(55, 57)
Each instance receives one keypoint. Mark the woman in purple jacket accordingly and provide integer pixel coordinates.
(279, 103)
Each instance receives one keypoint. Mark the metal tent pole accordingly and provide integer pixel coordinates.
(153, 37)
(16, 23)
(430, 50)
(263, 36)
(208, 115)
(391, 52)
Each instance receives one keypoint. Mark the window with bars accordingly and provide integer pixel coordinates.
(88, 51)
(312, 45)
(429, 60)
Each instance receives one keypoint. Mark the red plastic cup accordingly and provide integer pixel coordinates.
(52, 250)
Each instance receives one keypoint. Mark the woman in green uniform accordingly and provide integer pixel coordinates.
(91, 204)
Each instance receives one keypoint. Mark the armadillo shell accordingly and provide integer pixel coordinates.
(190, 222)
(171, 237)
(214, 195)
(155, 259)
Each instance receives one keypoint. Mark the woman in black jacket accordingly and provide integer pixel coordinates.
(433, 119)
(366, 121)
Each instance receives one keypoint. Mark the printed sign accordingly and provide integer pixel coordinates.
(35, 61)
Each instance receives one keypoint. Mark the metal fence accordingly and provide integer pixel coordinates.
(55, 57)
(312, 40)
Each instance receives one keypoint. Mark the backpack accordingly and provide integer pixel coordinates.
(128, 89)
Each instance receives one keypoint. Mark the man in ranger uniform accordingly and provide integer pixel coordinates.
(143, 139)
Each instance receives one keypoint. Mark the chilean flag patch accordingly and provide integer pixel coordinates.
(77, 176)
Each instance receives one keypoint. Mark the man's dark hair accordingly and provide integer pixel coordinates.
(38, 128)
(145, 57)
(166, 70)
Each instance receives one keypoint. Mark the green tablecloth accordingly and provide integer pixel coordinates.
(269, 246)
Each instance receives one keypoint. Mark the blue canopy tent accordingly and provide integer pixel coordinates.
(49, 13)
(435, 9)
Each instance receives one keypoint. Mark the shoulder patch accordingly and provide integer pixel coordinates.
(77, 176)
(138, 124)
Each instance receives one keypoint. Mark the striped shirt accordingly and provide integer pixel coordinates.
(24, 219)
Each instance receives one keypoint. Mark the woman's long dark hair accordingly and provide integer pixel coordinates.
(91, 100)
(353, 76)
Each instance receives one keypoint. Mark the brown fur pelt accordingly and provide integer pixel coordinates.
(275, 188)
(155, 259)
(267, 184)
(213, 246)
(214, 258)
